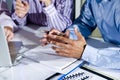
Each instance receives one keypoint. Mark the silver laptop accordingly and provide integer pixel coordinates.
(8, 51)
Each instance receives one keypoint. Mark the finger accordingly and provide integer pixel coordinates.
(66, 52)
(26, 3)
(6, 32)
(62, 39)
(62, 45)
(18, 8)
(19, 4)
(18, 1)
(67, 33)
(45, 35)
(21, 13)
(10, 36)
(61, 51)
(79, 36)
(43, 41)
(54, 31)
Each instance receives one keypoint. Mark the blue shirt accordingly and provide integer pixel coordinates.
(104, 14)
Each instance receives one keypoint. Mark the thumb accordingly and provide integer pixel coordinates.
(67, 33)
(78, 34)
(26, 3)
(19, 1)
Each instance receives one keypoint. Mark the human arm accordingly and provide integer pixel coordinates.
(20, 10)
(8, 24)
(85, 22)
(102, 57)
(6, 21)
(68, 47)
(59, 15)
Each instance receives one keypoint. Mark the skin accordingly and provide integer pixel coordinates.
(46, 39)
(9, 33)
(65, 46)
(21, 8)
(46, 2)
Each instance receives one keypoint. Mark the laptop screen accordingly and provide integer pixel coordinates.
(5, 59)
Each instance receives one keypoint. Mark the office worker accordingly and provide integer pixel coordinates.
(6, 21)
(104, 14)
(52, 13)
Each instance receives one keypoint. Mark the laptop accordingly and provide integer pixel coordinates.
(8, 50)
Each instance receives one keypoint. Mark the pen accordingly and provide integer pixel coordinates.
(54, 75)
(60, 34)
(62, 77)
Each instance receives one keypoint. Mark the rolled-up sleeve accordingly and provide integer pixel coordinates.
(103, 57)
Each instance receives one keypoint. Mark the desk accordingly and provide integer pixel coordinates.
(33, 70)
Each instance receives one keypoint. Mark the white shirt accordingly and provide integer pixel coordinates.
(5, 20)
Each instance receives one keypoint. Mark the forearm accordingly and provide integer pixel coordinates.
(5, 20)
(105, 58)
(55, 19)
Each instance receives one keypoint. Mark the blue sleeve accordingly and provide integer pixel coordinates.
(102, 57)
(85, 22)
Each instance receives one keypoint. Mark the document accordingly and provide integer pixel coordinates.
(26, 72)
(83, 73)
(47, 56)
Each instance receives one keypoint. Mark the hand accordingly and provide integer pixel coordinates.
(9, 33)
(46, 40)
(47, 2)
(68, 47)
(21, 8)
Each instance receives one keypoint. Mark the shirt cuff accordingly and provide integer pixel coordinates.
(11, 24)
(50, 10)
(19, 20)
(89, 54)
(5, 20)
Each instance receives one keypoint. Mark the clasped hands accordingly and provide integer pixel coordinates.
(22, 7)
(65, 46)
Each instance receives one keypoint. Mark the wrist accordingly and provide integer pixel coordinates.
(9, 28)
(83, 51)
(47, 3)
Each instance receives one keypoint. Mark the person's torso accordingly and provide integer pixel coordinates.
(106, 16)
(36, 14)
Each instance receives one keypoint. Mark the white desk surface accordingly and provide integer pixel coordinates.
(33, 70)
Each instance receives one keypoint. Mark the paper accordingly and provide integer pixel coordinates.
(26, 72)
(81, 74)
(47, 56)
